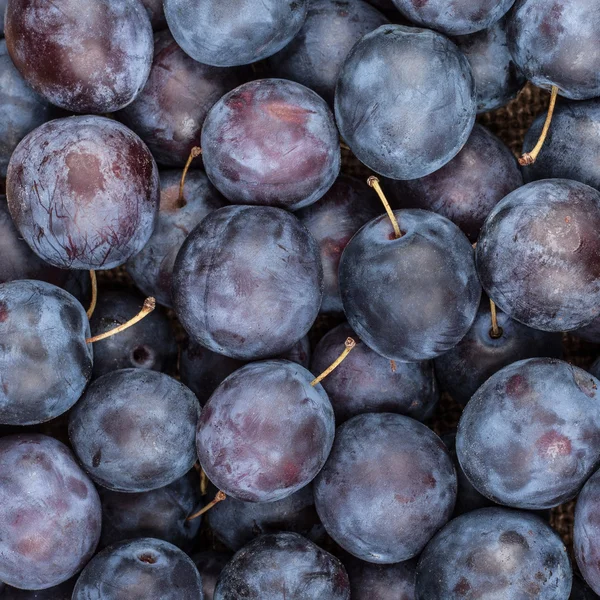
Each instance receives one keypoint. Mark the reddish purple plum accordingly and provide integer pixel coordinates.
(271, 142)
(88, 61)
(49, 513)
(266, 432)
(83, 192)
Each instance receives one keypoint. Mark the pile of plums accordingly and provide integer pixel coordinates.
(223, 355)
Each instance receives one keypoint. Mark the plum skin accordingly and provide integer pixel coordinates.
(84, 192)
(392, 123)
(264, 257)
(530, 436)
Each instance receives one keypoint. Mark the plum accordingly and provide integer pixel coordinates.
(269, 286)
(84, 192)
(271, 142)
(62, 591)
(381, 582)
(586, 532)
(87, 61)
(155, 11)
(405, 101)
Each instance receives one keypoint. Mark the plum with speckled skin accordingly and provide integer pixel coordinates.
(22, 109)
(49, 513)
(236, 523)
(45, 363)
(340, 213)
(586, 532)
(497, 78)
(495, 553)
(558, 44)
(572, 147)
(279, 565)
(462, 370)
(155, 11)
(160, 513)
(133, 430)
(411, 298)
(388, 485)
(147, 345)
(58, 592)
(202, 370)
(538, 254)
(366, 382)
(266, 432)
(227, 33)
(88, 61)
(381, 582)
(271, 142)
(467, 188)
(139, 570)
(389, 96)
(210, 564)
(83, 192)
(269, 286)
(530, 436)
(168, 113)
(315, 56)
(454, 17)
(152, 268)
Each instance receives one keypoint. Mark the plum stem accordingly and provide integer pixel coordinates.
(344, 146)
(496, 330)
(218, 498)
(194, 152)
(530, 157)
(149, 306)
(92, 308)
(349, 344)
(374, 183)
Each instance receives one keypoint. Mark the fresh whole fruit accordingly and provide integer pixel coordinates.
(381, 582)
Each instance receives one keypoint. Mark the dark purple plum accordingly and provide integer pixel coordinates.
(22, 109)
(160, 513)
(227, 33)
(210, 564)
(168, 113)
(340, 213)
(236, 523)
(381, 582)
(480, 354)
(271, 142)
(467, 188)
(266, 432)
(45, 363)
(530, 436)
(149, 344)
(586, 532)
(538, 255)
(405, 101)
(88, 61)
(273, 567)
(269, 286)
(202, 370)
(581, 591)
(152, 268)
(141, 569)
(49, 513)
(315, 56)
(455, 17)
(495, 553)
(83, 192)
(572, 147)
(386, 488)
(558, 44)
(155, 11)
(497, 78)
(411, 298)
(366, 382)
(133, 430)
(58, 592)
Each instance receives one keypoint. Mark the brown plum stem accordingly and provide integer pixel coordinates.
(530, 157)
(218, 498)
(496, 330)
(344, 146)
(349, 344)
(374, 183)
(194, 153)
(149, 306)
(92, 308)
